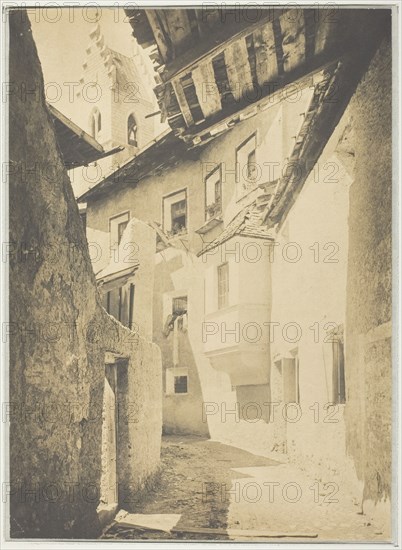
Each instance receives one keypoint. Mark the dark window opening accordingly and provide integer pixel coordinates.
(120, 230)
(119, 302)
(179, 305)
(180, 384)
(179, 308)
(338, 373)
(251, 165)
(213, 194)
(95, 123)
(178, 213)
(218, 191)
(132, 131)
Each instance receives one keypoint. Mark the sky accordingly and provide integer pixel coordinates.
(62, 34)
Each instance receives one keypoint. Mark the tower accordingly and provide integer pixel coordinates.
(113, 103)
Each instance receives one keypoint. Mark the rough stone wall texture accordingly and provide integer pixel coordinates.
(60, 334)
(369, 293)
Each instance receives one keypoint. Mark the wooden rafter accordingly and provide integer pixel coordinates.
(293, 39)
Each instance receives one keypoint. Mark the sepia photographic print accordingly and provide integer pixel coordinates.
(200, 274)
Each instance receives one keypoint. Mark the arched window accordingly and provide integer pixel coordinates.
(132, 131)
(95, 123)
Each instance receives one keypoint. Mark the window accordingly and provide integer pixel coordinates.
(179, 305)
(119, 302)
(132, 131)
(175, 213)
(117, 225)
(251, 165)
(176, 380)
(179, 308)
(223, 285)
(180, 384)
(213, 194)
(246, 166)
(95, 123)
(178, 211)
(338, 367)
(120, 230)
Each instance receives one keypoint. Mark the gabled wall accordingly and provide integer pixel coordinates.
(117, 86)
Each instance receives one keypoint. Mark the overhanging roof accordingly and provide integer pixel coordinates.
(165, 151)
(215, 68)
(77, 147)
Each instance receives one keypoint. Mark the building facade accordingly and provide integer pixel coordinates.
(266, 193)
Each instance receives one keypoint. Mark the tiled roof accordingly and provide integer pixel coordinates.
(247, 223)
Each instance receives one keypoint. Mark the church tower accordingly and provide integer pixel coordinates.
(115, 104)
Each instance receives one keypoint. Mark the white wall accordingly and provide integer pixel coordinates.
(309, 298)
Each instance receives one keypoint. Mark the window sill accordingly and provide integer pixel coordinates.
(177, 235)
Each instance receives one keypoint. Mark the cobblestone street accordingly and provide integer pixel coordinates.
(241, 496)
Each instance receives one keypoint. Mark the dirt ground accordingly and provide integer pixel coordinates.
(243, 497)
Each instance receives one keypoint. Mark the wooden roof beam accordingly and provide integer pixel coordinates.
(182, 100)
(213, 44)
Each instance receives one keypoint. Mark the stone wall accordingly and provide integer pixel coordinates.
(369, 279)
(59, 337)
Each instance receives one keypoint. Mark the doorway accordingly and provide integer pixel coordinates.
(108, 486)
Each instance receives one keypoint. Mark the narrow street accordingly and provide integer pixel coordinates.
(199, 240)
(218, 492)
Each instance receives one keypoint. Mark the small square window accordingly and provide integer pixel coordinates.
(179, 305)
(180, 384)
(176, 380)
